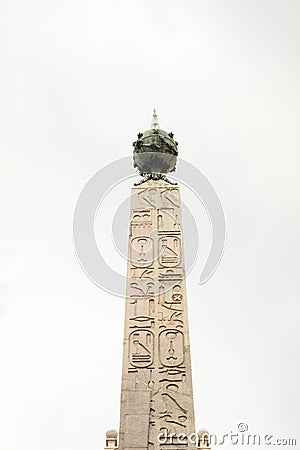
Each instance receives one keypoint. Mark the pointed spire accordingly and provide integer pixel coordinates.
(154, 123)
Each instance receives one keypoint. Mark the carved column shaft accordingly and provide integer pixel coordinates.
(157, 394)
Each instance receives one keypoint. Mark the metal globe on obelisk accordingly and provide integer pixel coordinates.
(157, 406)
(155, 153)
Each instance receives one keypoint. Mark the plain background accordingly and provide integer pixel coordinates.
(79, 79)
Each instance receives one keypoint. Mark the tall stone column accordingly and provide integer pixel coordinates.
(157, 395)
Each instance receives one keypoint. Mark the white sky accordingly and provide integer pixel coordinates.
(78, 80)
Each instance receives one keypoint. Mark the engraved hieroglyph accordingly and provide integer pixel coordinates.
(157, 394)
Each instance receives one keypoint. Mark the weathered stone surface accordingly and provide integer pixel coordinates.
(157, 391)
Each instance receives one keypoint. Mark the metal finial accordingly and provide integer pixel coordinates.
(154, 123)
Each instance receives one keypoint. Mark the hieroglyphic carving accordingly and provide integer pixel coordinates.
(173, 374)
(141, 251)
(169, 250)
(171, 300)
(142, 273)
(174, 295)
(157, 198)
(167, 220)
(173, 307)
(141, 346)
(171, 348)
(148, 197)
(168, 408)
(141, 222)
(169, 196)
(170, 319)
(143, 379)
(139, 322)
(173, 412)
(141, 288)
(141, 292)
(170, 275)
(141, 218)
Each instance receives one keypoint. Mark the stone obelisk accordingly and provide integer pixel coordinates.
(157, 410)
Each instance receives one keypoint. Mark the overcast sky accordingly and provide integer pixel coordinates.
(79, 79)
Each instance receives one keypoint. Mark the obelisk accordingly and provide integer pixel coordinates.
(157, 410)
